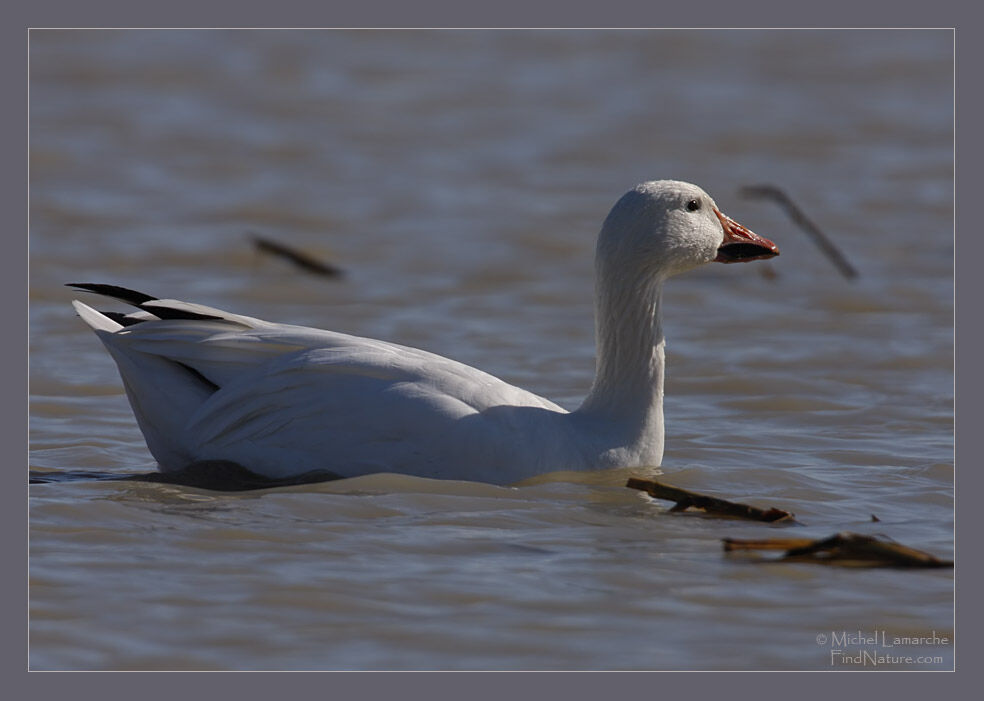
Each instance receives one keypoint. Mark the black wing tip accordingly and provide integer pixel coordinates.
(121, 319)
(124, 294)
(139, 299)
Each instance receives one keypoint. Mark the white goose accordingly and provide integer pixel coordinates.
(284, 401)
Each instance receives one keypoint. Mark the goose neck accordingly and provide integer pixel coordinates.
(630, 349)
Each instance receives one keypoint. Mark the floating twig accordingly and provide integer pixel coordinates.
(712, 505)
(298, 258)
(796, 214)
(844, 549)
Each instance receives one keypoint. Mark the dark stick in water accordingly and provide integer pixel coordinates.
(846, 549)
(301, 260)
(819, 238)
(712, 505)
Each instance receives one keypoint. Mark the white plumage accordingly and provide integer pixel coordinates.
(283, 400)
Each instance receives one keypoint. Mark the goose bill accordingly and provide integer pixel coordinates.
(741, 245)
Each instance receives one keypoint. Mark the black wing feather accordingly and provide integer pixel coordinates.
(121, 318)
(138, 299)
(115, 291)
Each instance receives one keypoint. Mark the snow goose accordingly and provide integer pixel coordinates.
(284, 401)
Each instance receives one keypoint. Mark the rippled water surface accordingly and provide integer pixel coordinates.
(460, 179)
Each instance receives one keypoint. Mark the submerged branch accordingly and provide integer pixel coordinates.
(775, 194)
(712, 505)
(298, 258)
(845, 549)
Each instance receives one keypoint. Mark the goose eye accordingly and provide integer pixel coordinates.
(693, 205)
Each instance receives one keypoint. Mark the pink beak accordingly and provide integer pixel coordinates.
(741, 245)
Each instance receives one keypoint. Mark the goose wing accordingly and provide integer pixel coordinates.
(283, 400)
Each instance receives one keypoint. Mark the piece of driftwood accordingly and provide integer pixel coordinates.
(712, 505)
(775, 194)
(845, 549)
(298, 258)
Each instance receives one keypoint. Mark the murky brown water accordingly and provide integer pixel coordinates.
(460, 178)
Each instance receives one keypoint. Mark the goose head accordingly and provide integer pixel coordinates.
(665, 227)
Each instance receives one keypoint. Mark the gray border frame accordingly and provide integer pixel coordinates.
(14, 424)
